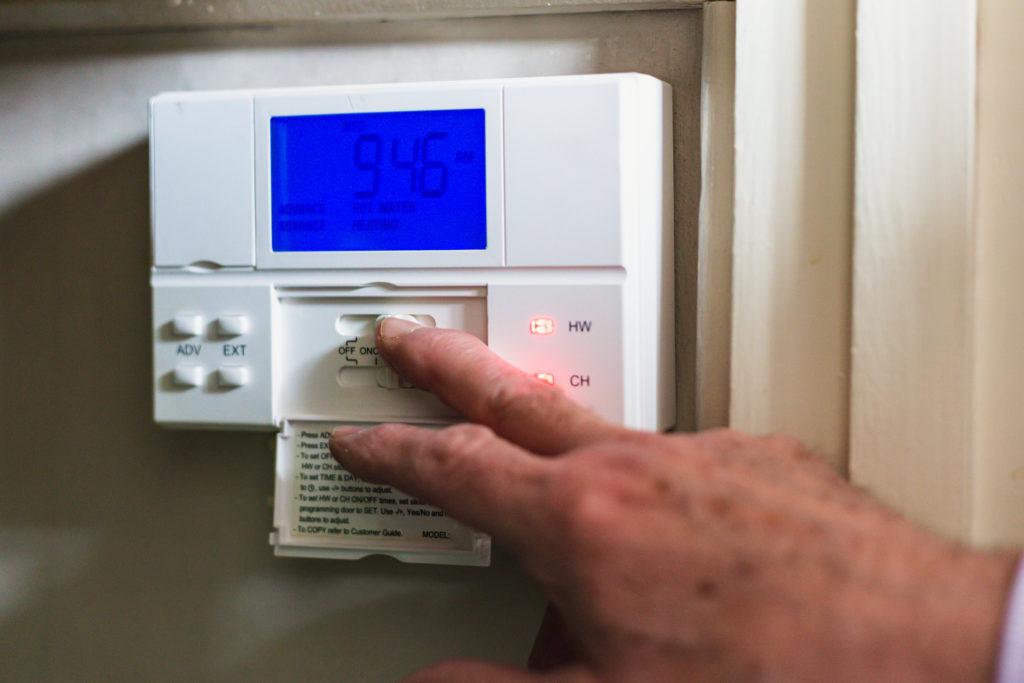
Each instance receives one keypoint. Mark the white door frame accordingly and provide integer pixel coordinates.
(793, 221)
(908, 337)
(913, 331)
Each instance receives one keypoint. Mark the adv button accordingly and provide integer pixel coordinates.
(188, 375)
(187, 325)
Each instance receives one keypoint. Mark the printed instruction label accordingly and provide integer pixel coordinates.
(333, 507)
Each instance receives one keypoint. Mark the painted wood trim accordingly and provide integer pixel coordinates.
(998, 471)
(714, 258)
(911, 402)
(793, 221)
(41, 16)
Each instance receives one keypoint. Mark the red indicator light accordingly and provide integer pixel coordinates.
(542, 326)
(545, 377)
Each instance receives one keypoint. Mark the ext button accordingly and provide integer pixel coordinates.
(187, 325)
(232, 325)
(232, 376)
(188, 375)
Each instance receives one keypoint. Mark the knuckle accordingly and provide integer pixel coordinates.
(454, 449)
(373, 442)
(592, 513)
(800, 458)
(586, 507)
(384, 436)
(467, 438)
(785, 445)
(388, 430)
(590, 521)
(724, 437)
(781, 441)
(776, 445)
(511, 402)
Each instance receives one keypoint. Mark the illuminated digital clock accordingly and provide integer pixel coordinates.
(380, 176)
(381, 181)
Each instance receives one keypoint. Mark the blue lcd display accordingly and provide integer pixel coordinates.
(383, 181)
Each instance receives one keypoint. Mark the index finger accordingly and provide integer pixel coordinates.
(460, 370)
(467, 471)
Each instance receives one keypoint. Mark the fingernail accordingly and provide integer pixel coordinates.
(345, 430)
(395, 328)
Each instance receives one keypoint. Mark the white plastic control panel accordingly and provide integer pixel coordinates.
(535, 214)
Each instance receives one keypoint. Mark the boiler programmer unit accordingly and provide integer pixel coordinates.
(533, 213)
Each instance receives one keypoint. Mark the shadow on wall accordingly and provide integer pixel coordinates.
(132, 552)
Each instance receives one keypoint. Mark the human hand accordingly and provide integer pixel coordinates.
(706, 557)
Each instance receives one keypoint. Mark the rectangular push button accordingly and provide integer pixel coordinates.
(232, 376)
(232, 325)
(187, 325)
(188, 375)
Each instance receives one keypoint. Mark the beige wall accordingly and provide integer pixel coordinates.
(128, 552)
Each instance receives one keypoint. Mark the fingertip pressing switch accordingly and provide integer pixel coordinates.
(386, 377)
(232, 376)
(401, 316)
(188, 375)
(232, 325)
(187, 325)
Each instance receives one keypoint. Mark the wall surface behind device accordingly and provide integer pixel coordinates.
(130, 552)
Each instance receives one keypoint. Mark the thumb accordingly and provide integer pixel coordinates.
(474, 671)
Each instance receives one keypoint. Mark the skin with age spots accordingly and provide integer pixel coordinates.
(703, 557)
